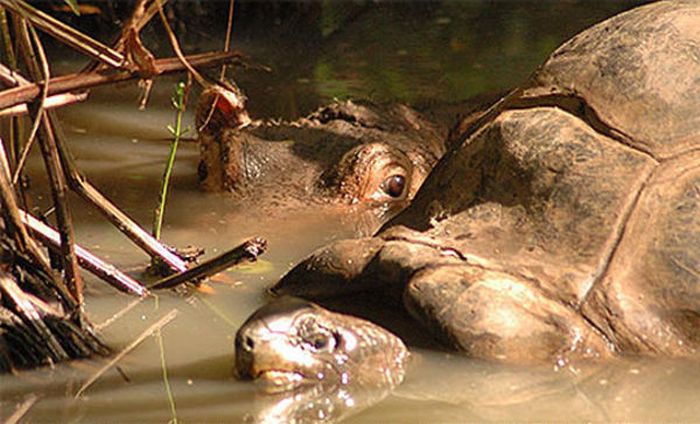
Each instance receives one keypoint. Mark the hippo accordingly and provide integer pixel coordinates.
(352, 155)
(564, 225)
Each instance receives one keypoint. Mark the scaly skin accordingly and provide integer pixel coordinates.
(291, 343)
(314, 364)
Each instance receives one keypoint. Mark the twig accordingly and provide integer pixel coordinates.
(11, 212)
(150, 330)
(106, 323)
(212, 90)
(250, 250)
(19, 219)
(59, 189)
(81, 81)
(11, 78)
(46, 74)
(229, 30)
(144, 11)
(9, 49)
(22, 409)
(58, 162)
(26, 47)
(120, 220)
(105, 271)
(50, 103)
(52, 164)
(138, 19)
(16, 228)
(32, 315)
(42, 102)
(57, 183)
(65, 33)
(7, 39)
(176, 47)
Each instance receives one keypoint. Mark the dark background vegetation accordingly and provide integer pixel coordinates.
(410, 51)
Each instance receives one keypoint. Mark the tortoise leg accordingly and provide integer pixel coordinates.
(495, 315)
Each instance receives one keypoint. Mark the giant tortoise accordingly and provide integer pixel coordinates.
(564, 225)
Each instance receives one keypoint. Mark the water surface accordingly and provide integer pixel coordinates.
(413, 52)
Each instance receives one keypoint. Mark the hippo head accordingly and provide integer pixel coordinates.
(348, 155)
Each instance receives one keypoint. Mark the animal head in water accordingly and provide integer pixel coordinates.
(349, 153)
(291, 343)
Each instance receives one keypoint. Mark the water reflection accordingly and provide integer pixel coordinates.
(315, 404)
(447, 388)
(439, 388)
(454, 389)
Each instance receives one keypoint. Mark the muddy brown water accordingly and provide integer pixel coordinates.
(455, 51)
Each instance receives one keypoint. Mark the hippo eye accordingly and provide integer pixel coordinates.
(376, 173)
(394, 185)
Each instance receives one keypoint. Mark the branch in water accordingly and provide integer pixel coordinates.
(81, 81)
(248, 251)
(51, 102)
(119, 219)
(87, 260)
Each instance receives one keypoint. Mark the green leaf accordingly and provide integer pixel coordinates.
(258, 267)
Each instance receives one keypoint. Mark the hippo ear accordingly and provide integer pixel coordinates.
(220, 107)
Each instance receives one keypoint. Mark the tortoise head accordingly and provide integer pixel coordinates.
(291, 343)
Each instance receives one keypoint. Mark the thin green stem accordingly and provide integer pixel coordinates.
(166, 381)
(178, 100)
(218, 312)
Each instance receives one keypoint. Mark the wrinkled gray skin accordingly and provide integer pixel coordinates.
(351, 156)
(565, 225)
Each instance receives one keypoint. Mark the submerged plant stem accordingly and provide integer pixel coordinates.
(179, 105)
(150, 330)
(22, 409)
(218, 312)
(166, 382)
